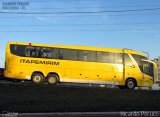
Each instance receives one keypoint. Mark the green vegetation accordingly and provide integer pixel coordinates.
(45, 98)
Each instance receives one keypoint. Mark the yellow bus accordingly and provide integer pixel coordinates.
(78, 64)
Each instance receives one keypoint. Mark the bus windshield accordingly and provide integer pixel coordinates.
(138, 59)
(147, 68)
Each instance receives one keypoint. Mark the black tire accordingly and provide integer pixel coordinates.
(130, 83)
(52, 79)
(37, 78)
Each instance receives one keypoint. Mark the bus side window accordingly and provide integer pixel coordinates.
(82, 55)
(60, 54)
(42, 52)
(105, 57)
(118, 58)
(46, 52)
(38, 52)
(27, 52)
(85, 55)
(128, 61)
(55, 53)
(18, 50)
(30, 51)
(33, 52)
(69, 54)
(100, 57)
(91, 56)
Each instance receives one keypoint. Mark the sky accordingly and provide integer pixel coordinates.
(133, 24)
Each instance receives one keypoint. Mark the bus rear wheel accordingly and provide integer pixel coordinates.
(130, 83)
(37, 78)
(52, 79)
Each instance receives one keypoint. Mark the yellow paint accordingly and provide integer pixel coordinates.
(76, 71)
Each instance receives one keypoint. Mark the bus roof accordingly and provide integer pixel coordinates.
(94, 48)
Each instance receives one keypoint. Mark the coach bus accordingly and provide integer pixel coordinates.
(78, 64)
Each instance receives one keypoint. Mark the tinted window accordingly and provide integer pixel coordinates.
(68, 54)
(106, 57)
(147, 68)
(86, 55)
(138, 58)
(45, 52)
(17, 50)
(91, 56)
(81, 55)
(54, 53)
(31, 51)
(118, 58)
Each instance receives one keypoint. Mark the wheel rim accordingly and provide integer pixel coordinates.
(52, 80)
(130, 84)
(37, 79)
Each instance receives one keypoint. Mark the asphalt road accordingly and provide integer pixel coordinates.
(86, 114)
(25, 99)
(66, 114)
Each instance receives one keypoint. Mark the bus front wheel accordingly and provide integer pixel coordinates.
(52, 79)
(37, 78)
(130, 83)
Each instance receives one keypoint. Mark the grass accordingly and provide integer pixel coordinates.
(45, 98)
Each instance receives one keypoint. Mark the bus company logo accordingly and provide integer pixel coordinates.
(38, 62)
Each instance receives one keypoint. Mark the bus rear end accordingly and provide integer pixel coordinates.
(11, 64)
